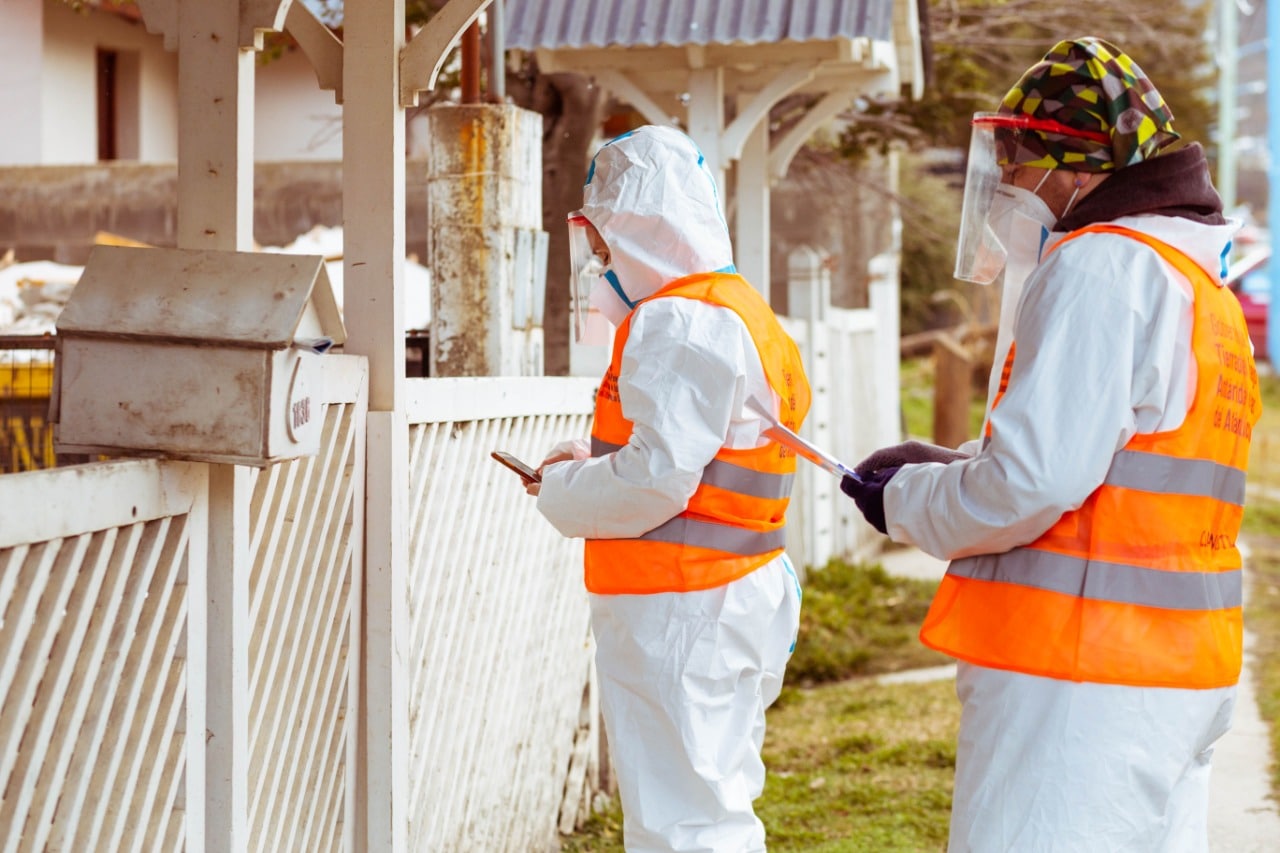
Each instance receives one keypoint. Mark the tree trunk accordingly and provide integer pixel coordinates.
(571, 106)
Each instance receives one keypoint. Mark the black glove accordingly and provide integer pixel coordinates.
(907, 453)
(868, 494)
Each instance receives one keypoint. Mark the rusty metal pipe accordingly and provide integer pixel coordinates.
(471, 64)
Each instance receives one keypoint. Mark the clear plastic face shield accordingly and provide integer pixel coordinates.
(589, 324)
(980, 256)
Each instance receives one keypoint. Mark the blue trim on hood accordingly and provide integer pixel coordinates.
(591, 170)
(612, 277)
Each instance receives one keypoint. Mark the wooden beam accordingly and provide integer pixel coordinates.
(160, 17)
(756, 110)
(321, 47)
(728, 56)
(421, 59)
(786, 147)
(621, 86)
(921, 343)
(259, 16)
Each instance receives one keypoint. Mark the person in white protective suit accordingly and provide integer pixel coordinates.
(681, 498)
(1093, 595)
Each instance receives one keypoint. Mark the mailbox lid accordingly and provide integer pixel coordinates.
(203, 296)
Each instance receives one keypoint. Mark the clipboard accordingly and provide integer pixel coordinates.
(803, 447)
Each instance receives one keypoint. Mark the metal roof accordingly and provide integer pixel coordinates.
(560, 24)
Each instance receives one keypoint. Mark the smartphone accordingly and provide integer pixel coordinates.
(527, 474)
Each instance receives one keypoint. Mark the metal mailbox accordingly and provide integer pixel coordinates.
(194, 354)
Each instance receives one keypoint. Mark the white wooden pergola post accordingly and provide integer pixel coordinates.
(752, 209)
(381, 76)
(373, 274)
(706, 120)
(215, 211)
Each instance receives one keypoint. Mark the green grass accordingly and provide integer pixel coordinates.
(859, 620)
(1262, 534)
(852, 765)
(1262, 615)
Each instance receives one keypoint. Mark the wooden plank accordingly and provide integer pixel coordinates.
(485, 397)
(70, 500)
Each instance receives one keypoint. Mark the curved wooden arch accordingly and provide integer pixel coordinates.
(421, 58)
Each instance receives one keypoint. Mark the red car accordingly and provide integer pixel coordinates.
(1252, 286)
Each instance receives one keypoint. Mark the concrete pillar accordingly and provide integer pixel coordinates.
(487, 249)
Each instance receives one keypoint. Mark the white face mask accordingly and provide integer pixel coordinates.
(1024, 223)
(605, 299)
(1010, 200)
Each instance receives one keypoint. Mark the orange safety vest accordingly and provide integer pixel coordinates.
(735, 521)
(1141, 585)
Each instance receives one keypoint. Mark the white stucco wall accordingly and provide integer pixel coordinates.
(20, 63)
(68, 87)
(293, 118)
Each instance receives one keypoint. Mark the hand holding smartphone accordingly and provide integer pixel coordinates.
(527, 474)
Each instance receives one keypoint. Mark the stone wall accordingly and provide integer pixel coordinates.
(53, 212)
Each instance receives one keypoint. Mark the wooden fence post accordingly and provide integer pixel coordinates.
(809, 298)
(952, 391)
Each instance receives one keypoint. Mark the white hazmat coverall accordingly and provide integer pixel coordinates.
(684, 677)
(1103, 332)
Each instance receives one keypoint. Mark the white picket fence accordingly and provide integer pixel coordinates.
(851, 358)
(102, 669)
(305, 543)
(503, 736)
(129, 663)
(152, 699)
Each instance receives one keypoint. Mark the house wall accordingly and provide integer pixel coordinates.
(149, 95)
(20, 67)
(48, 95)
(293, 118)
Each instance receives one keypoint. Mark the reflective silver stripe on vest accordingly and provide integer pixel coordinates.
(744, 481)
(727, 476)
(1153, 472)
(1101, 581)
(718, 537)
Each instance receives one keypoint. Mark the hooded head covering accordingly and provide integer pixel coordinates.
(1086, 106)
(654, 201)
